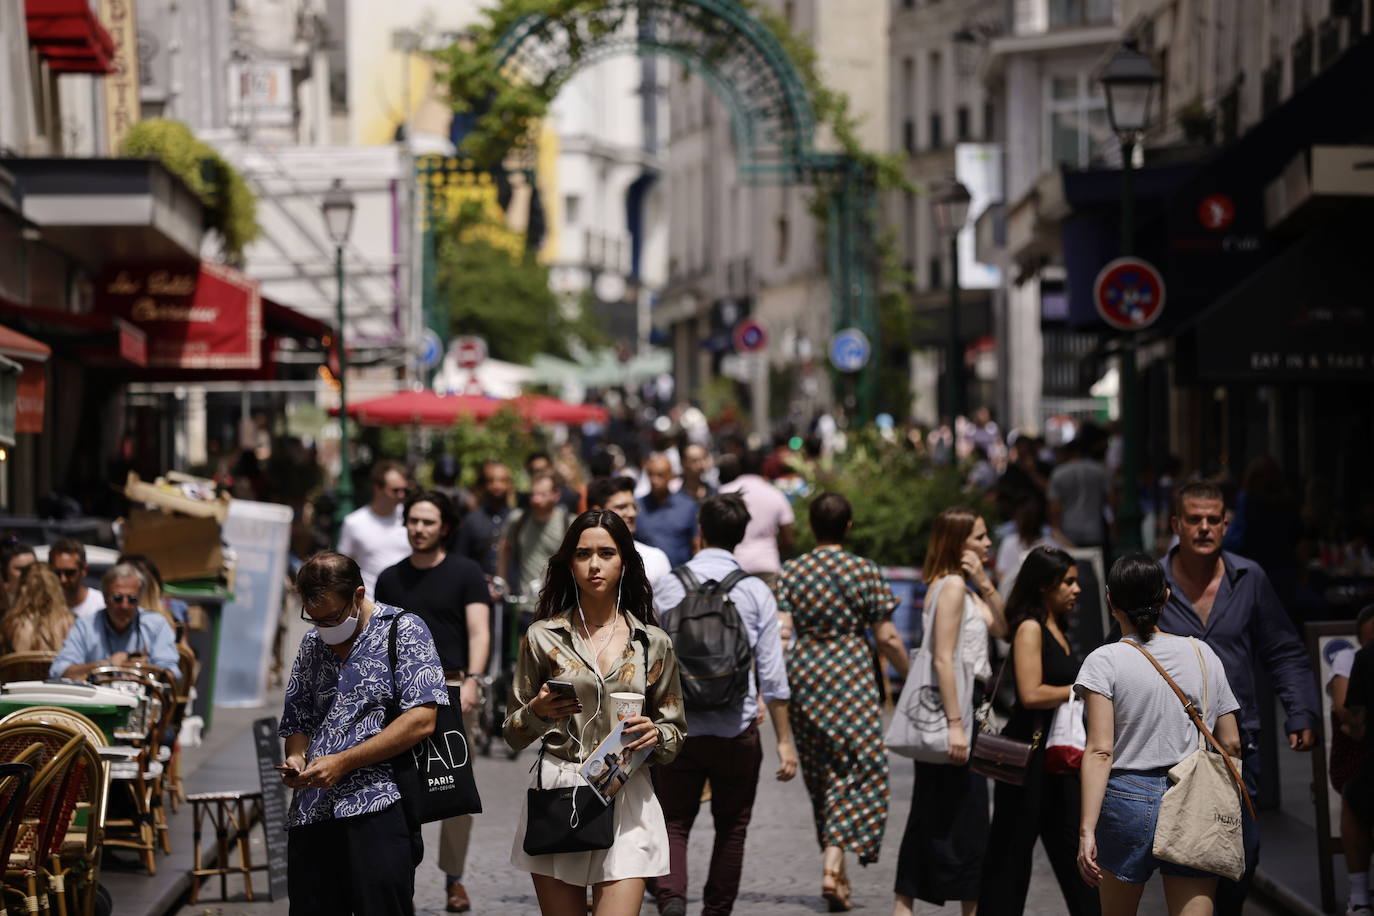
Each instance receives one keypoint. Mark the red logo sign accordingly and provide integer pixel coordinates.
(750, 336)
(469, 352)
(1216, 212)
(1129, 294)
(206, 316)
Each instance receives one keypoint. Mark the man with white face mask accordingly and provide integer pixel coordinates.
(351, 848)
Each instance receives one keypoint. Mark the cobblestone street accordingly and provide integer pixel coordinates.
(782, 864)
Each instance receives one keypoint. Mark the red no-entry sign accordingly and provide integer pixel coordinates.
(469, 352)
(750, 336)
(1129, 294)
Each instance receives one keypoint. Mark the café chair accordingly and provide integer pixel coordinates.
(189, 672)
(69, 778)
(232, 815)
(25, 666)
(15, 778)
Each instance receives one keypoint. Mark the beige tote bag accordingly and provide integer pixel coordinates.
(1199, 823)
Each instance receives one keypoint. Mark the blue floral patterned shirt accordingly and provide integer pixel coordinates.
(340, 703)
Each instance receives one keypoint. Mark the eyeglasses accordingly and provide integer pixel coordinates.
(122, 599)
(67, 573)
(333, 620)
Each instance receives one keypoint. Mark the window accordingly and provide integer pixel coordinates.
(989, 122)
(937, 136)
(1080, 12)
(572, 206)
(937, 273)
(909, 135)
(961, 121)
(1075, 121)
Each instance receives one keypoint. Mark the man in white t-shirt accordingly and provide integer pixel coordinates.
(67, 556)
(375, 535)
(617, 494)
(769, 534)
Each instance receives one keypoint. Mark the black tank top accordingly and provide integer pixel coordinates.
(1058, 669)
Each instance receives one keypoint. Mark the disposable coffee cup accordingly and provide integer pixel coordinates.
(627, 704)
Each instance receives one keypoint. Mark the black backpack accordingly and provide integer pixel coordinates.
(710, 641)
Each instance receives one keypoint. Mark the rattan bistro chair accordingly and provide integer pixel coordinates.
(25, 666)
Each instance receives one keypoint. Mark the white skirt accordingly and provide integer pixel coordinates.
(640, 848)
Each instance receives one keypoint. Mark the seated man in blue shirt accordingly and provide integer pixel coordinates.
(121, 633)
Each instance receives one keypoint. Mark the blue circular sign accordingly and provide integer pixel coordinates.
(850, 350)
(431, 349)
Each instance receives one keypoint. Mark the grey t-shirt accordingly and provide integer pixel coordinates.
(1151, 727)
(1083, 487)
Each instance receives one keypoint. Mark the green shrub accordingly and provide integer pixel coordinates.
(231, 208)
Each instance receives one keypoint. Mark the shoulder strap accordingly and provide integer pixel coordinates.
(1191, 709)
(724, 586)
(688, 578)
(394, 704)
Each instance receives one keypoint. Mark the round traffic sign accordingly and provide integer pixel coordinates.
(1129, 294)
(469, 352)
(750, 336)
(431, 348)
(850, 350)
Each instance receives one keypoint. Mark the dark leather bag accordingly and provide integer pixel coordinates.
(997, 756)
(568, 819)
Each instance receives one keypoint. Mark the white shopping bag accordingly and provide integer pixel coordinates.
(1068, 737)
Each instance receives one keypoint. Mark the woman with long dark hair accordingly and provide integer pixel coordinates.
(1046, 806)
(595, 628)
(941, 857)
(1137, 731)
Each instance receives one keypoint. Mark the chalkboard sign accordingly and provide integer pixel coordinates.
(1091, 621)
(273, 804)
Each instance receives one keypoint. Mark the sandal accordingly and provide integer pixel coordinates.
(835, 891)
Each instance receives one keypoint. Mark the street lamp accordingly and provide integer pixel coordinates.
(950, 207)
(338, 222)
(1129, 80)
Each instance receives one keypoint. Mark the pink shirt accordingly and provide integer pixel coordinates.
(769, 510)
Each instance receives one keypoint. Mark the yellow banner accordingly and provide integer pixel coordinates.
(122, 106)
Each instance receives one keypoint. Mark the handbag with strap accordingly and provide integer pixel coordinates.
(567, 819)
(1199, 823)
(919, 729)
(997, 756)
(435, 776)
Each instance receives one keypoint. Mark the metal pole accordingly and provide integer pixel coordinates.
(954, 372)
(345, 488)
(1128, 528)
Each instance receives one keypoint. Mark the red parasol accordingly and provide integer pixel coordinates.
(425, 408)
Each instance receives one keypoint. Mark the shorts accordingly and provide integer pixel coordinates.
(1359, 795)
(1126, 827)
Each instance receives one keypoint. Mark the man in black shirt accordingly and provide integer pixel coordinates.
(480, 532)
(449, 592)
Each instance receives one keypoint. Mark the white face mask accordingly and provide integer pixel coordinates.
(341, 632)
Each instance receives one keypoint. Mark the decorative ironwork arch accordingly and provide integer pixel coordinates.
(772, 118)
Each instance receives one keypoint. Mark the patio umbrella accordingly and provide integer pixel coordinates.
(425, 408)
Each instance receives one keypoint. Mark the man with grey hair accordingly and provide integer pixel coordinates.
(120, 633)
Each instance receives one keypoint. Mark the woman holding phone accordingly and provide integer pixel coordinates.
(595, 629)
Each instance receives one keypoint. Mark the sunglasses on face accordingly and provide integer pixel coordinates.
(67, 573)
(123, 599)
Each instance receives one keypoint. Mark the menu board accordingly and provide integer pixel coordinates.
(268, 746)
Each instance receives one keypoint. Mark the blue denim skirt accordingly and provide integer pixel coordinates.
(1126, 827)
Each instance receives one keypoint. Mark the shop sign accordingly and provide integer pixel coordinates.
(122, 87)
(30, 397)
(205, 316)
(1216, 212)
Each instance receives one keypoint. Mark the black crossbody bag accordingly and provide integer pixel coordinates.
(570, 818)
(435, 776)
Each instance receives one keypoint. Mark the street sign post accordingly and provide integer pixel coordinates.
(750, 336)
(469, 352)
(431, 349)
(850, 350)
(1129, 294)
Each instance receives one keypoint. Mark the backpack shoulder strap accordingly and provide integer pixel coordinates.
(688, 579)
(724, 586)
(1191, 709)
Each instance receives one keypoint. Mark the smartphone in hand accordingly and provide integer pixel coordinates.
(287, 770)
(564, 689)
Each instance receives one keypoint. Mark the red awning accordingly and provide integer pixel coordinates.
(22, 346)
(96, 340)
(69, 36)
(425, 408)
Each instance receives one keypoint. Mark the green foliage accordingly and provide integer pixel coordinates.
(232, 210)
(504, 437)
(896, 494)
(722, 401)
(502, 296)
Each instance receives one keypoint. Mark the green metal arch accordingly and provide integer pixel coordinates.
(744, 62)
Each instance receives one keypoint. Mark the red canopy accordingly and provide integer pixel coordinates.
(425, 408)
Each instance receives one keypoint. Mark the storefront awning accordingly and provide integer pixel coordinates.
(31, 389)
(1305, 316)
(67, 34)
(95, 340)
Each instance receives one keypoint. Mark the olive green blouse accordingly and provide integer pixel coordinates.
(554, 649)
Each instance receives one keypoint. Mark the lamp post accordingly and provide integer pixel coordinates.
(1129, 80)
(338, 222)
(950, 207)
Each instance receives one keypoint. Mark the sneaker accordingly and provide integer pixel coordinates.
(674, 906)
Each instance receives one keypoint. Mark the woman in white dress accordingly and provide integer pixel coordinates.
(595, 628)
